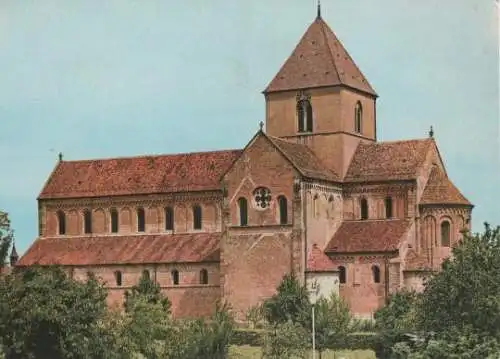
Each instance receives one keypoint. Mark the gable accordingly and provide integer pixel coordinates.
(183, 172)
(301, 157)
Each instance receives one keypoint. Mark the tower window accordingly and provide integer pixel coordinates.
(304, 115)
(87, 221)
(243, 207)
(388, 207)
(118, 278)
(203, 276)
(146, 274)
(61, 220)
(342, 275)
(283, 208)
(141, 220)
(376, 274)
(197, 219)
(169, 218)
(364, 208)
(445, 234)
(358, 117)
(114, 220)
(175, 277)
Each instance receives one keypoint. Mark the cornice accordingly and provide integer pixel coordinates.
(149, 201)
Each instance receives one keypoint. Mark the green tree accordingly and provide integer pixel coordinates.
(332, 322)
(6, 237)
(290, 303)
(146, 326)
(458, 313)
(465, 295)
(45, 314)
(147, 290)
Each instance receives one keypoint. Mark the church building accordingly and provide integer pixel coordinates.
(313, 192)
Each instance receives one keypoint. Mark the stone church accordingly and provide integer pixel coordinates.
(313, 192)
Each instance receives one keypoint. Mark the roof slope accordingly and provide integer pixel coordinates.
(304, 159)
(131, 249)
(319, 59)
(398, 160)
(318, 261)
(368, 236)
(138, 175)
(440, 190)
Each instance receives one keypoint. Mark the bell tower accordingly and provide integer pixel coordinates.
(320, 98)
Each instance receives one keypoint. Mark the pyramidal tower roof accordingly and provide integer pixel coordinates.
(319, 60)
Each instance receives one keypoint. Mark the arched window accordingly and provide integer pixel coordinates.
(114, 220)
(87, 221)
(364, 208)
(358, 117)
(243, 207)
(175, 277)
(61, 220)
(331, 207)
(118, 278)
(316, 205)
(376, 274)
(169, 218)
(141, 220)
(342, 275)
(388, 207)
(445, 234)
(203, 276)
(283, 208)
(146, 274)
(197, 216)
(304, 115)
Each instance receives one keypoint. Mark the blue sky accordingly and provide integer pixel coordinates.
(119, 78)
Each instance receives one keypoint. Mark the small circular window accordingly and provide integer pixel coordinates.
(262, 197)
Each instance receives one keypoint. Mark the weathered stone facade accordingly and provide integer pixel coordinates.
(315, 193)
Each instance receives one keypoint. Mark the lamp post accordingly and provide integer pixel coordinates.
(312, 297)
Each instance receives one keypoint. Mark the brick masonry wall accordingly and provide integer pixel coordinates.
(189, 298)
(362, 294)
(254, 258)
(154, 208)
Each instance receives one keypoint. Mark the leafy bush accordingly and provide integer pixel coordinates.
(287, 340)
(251, 337)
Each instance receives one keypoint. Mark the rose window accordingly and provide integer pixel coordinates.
(262, 197)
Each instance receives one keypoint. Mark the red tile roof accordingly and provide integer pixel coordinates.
(319, 60)
(304, 159)
(398, 160)
(131, 249)
(318, 261)
(368, 236)
(139, 175)
(440, 190)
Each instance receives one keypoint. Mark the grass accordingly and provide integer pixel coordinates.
(248, 352)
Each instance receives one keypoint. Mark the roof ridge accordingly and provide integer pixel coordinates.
(422, 139)
(323, 30)
(149, 156)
